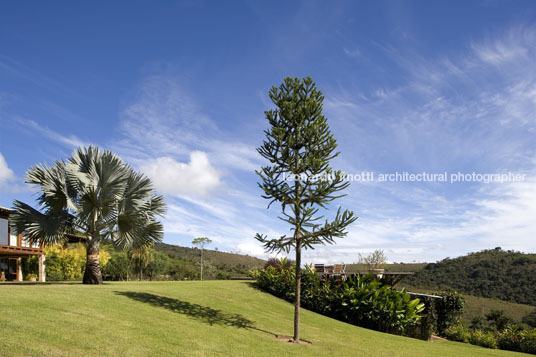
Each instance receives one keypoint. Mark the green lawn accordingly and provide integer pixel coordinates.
(211, 318)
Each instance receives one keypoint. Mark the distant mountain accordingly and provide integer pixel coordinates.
(495, 273)
(230, 262)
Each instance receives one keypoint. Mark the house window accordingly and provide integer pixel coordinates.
(12, 240)
(4, 232)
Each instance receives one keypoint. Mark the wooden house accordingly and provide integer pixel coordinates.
(13, 248)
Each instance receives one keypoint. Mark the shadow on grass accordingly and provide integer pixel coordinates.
(203, 313)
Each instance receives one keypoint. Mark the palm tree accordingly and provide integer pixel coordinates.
(94, 194)
(142, 257)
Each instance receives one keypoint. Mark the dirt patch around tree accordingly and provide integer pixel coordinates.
(289, 339)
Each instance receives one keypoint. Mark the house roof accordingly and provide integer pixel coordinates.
(5, 211)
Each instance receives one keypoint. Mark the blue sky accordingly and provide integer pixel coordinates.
(178, 90)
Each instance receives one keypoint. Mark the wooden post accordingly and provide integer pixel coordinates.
(19, 270)
(42, 274)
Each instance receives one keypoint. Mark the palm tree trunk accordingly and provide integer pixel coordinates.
(92, 274)
(297, 301)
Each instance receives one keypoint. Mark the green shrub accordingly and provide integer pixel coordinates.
(528, 341)
(448, 310)
(359, 300)
(457, 333)
(484, 339)
(498, 321)
(517, 340)
(509, 339)
(530, 319)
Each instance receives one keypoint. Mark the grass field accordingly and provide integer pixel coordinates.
(211, 318)
(476, 306)
(479, 306)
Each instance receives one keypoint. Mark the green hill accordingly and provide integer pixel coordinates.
(395, 267)
(217, 258)
(188, 318)
(227, 264)
(495, 273)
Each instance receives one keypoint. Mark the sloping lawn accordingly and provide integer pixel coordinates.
(210, 318)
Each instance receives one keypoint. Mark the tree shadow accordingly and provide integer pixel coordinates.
(203, 313)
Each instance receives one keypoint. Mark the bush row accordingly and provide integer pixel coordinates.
(359, 300)
(511, 339)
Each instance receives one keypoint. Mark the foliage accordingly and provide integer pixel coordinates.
(483, 338)
(359, 300)
(530, 319)
(511, 337)
(528, 341)
(275, 262)
(375, 260)
(449, 310)
(118, 267)
(234, 265)
(495, 273)
(30, 265)
(68, 263)
(457, 332)
(158, 268)
(167, 262)
(498, 321)
(141, 258)
(299, 146)
(94, 194)
(478, 323)
(201, 241)
(30, 277)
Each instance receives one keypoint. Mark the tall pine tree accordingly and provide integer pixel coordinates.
(299, 146)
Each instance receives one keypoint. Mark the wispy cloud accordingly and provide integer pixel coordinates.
(355, 53)
(69, 141)
(470, 111)
(164, 120)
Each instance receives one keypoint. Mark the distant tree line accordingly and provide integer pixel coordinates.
(160, 262)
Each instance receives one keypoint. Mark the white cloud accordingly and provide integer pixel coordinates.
(6, 174)
(9, 182)
(251, 248)
(195, 178)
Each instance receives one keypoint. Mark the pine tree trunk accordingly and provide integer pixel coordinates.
(297, 301)
(92, 274)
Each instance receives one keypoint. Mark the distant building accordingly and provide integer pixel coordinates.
(13, 248)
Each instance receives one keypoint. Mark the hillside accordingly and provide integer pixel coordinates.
(215, 257)
(189, 318)
(214, 261)
(396, 267)
(497, 274)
